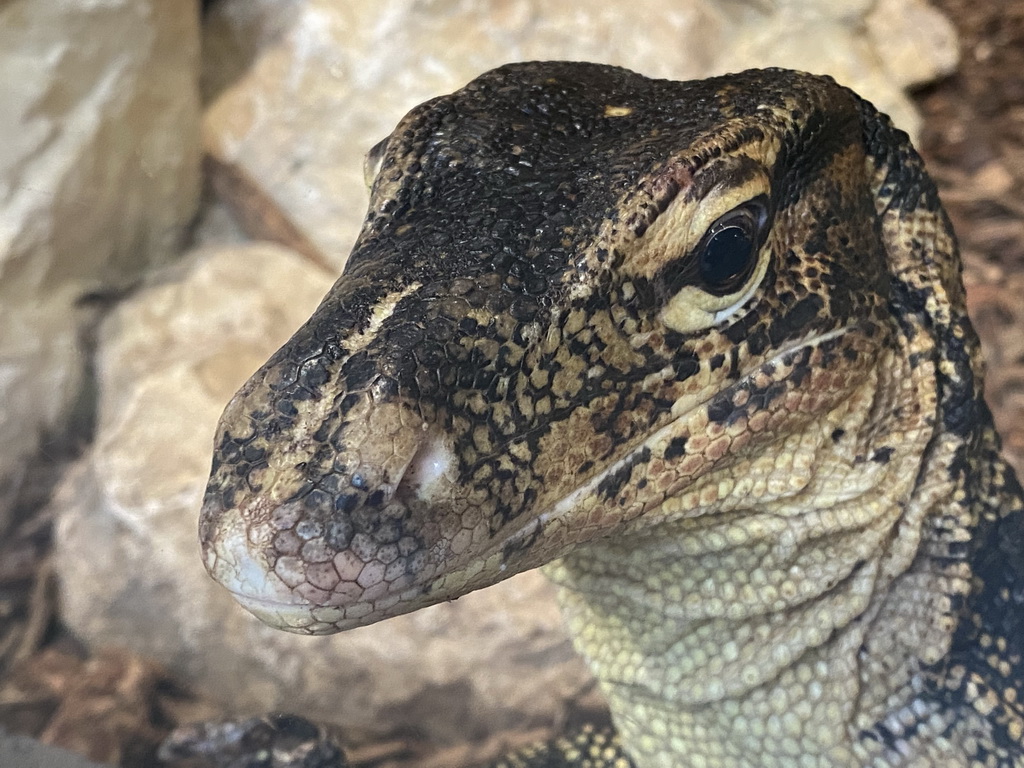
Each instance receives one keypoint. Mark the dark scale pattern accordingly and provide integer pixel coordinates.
(764, 480)
(272, 741)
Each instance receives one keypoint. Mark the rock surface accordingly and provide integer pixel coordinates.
(99, 176)
(321, 82)
(23, 752)
(169, 359)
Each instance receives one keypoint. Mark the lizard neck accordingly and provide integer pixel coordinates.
(740, 635)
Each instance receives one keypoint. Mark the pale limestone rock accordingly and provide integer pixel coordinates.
(22, 752)
(877, 47)
(918, 42)
(99, 176)
(169, 358)
(291, 134)
(328, 80)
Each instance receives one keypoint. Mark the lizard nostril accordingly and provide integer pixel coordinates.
(426, 474)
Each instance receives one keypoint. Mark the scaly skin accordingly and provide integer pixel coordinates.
(770, 493)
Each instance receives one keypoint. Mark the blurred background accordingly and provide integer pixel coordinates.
(180, 183)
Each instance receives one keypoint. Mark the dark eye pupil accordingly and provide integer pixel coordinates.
(726, 259)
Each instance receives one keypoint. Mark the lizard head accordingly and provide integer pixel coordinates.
(578, 293)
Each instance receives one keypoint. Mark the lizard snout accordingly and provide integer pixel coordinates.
(307, 544)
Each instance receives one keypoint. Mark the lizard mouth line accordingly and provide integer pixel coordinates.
(521, 536)
(565, 505)
(262, 603)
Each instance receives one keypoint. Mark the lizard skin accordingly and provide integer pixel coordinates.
(701, 350)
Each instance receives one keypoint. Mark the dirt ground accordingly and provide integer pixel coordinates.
(115, 707)
(974, 144)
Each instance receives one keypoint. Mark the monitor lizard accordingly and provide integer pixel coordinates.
(701, 350)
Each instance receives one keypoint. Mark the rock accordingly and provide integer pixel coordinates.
(877, 48)
(169, 358)
(291, 134)
(920, 44)
(321, 81)
(99, 176)
(24, 752)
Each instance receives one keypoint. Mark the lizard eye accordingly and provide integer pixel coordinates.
(718, 276)
(727, 253)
